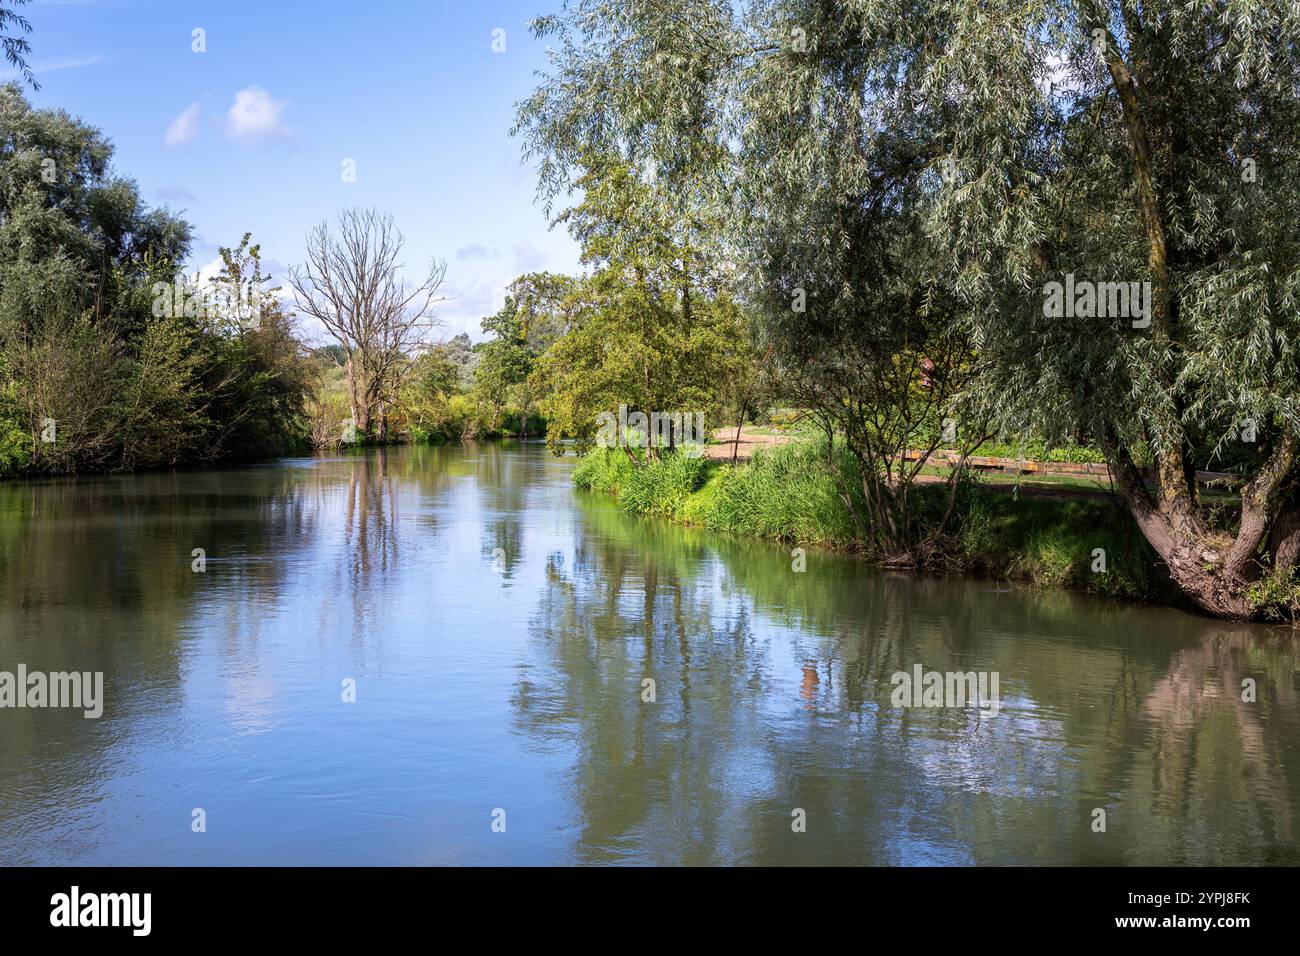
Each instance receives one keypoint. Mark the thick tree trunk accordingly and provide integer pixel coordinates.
(1183, 543)
(1213, 569)
(357, 405)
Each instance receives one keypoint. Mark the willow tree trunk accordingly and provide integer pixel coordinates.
(1216, 570)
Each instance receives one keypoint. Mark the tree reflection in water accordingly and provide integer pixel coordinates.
(773, 693)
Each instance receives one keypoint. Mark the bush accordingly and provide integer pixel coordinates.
(784, 493)
(70, 371)
(1036, 450)
(662, 485)
(15, 441)
(1276, 596)
(1051, 542)
(605, 470)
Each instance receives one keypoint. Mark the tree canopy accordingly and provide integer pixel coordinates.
(925, 173)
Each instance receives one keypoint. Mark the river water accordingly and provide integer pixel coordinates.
(499, 632)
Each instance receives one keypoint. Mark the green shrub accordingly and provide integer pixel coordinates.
(605, 470)
(1051, 542)
(15, 442)
(1276, 596)
(784, 493)
(1035, 449)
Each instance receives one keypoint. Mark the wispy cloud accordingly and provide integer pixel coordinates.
(174, 194)
(56, 64)
(474, 251)
(184, 128)
(527, 258)
(255, 117)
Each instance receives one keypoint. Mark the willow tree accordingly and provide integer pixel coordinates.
(13, 42)
(1018, 144)
(1092, 142)
(832, 198)
(763, 125)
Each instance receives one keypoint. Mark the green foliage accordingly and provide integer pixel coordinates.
(434, 405)
(506, 360)
(1037, 450)
(252, 371)
(651, 327)
(327, 409)
(1276, 595)
(15, 440)
(1051, 542)
(786, 493)
(604, 470)
(67, 371)
(423, 404)
(66, 221)
(13, 44)
(821, 212)
(162, 419)
(663, 485)
(918, 175)
(99, 351)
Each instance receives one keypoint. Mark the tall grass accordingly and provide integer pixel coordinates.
(785, 493)
(788, 493)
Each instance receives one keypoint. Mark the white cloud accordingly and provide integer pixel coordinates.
(255, 116)
(467, 305)
(209, 271)
(184, 128)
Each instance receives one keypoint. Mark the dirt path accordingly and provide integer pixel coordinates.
(749, 443)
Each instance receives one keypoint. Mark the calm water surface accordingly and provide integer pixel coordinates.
(512, 679)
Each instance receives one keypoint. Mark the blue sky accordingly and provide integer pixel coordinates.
(252, 134)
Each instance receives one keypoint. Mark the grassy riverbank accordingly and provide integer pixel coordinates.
(787, 494)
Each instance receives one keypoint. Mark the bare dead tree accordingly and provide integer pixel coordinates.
(351, 283)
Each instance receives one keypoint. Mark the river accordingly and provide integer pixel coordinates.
(444, 655)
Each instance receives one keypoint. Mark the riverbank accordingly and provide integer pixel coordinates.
(1085, 543)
